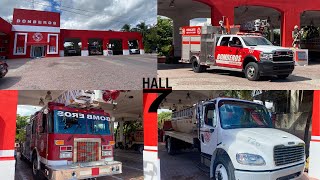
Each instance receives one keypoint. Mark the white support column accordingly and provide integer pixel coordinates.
(314, 162)
(61, 53)
(126, 52)
(151, 163)
(84, 53)
(141, 51)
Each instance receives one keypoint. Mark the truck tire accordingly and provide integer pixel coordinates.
(196, 67)
(223, 168)
(252, 71)
(36, 172)
(283, 76)
(170, 147)
(140, 149)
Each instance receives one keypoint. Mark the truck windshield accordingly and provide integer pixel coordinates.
(77, 123)
(236, 114)
(255, 41)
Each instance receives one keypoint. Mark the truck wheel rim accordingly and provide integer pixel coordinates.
(221, 172)
(195, 64)
(34, 167)
(251, 71)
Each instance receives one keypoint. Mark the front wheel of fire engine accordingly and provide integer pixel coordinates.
(283, 76)
(252, 71)
(223, 168)
(196, 67)
(35, 171)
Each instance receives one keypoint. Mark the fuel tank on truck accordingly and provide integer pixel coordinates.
(184, 120)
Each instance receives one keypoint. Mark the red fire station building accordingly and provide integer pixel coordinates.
(38, 34)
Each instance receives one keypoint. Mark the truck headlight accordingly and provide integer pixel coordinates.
(64, 155)
(106, 153)
(250, 159)
(266, 56)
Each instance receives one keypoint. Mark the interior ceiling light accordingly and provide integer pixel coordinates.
(41, 102)
(48, 96)
(172, 4)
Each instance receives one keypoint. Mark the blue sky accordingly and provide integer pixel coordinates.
(54, 5)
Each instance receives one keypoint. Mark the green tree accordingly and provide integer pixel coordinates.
(126, 28)
(162, 117)
(164, 35)
(246, 95)
(22, 122)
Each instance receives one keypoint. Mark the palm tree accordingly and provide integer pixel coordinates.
(142, 28)
(126, 28)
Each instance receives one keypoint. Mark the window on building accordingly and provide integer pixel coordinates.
(52, 49)
(20, 50)
(2, 49)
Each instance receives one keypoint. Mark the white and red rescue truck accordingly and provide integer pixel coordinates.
(250, 52)
(237, 141)
(70, 143)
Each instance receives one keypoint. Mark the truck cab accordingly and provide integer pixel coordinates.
(237, 141)
(249, 52)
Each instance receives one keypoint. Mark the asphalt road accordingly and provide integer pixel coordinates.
(93, 72)
(184, 166)
(181, 77)
(132, 167)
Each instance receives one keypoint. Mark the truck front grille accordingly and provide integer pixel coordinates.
(288, 154)
(282, 56)
(87, 151)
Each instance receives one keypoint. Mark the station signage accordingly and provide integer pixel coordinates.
(83, 116)
(192, 31)
(35, 18)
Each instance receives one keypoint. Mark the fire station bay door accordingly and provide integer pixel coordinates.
(208, 128)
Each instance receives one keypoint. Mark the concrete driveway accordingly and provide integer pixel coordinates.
(94, 72)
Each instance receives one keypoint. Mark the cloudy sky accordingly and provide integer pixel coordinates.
(24, 110)
(90, 14)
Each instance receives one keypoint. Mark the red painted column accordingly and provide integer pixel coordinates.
(125, 46)
(314, 162)
(218, 11)
(290, 18)
(84, 47)
(151, 162)
(8, 113)
(105, 45)
(141, 45)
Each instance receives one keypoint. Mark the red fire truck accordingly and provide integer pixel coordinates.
(65, 142)
(246, 50)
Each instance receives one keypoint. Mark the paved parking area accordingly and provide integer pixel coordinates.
(184, 165)
(132, 167)
(93, 72)
(181, 77)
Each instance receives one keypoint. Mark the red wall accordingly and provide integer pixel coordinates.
(289, 9)
(8, 113)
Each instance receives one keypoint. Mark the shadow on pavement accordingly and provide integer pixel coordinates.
(16, 63)
(162, 66)
(291, 78)
(8, 82)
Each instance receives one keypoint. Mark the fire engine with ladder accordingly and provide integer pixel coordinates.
(71, 138)
(236, 47)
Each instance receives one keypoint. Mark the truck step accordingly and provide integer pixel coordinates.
(203, 168)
